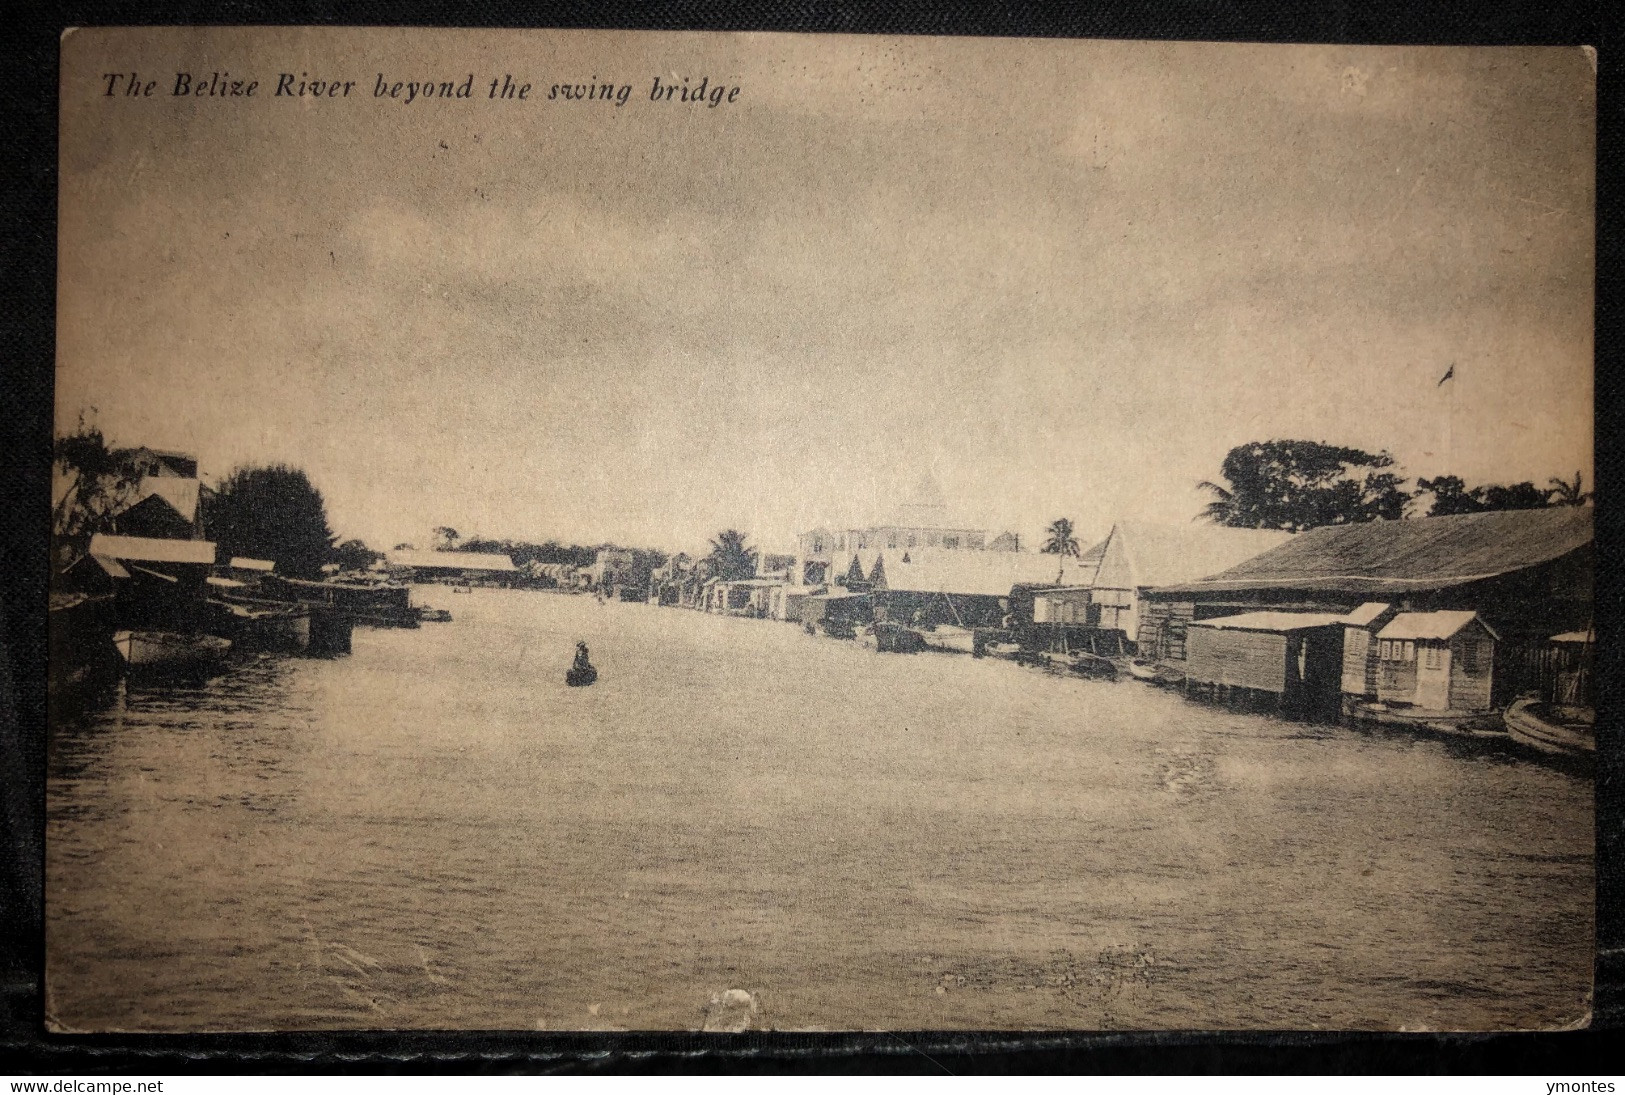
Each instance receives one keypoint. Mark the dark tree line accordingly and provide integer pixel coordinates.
(1296, 485)
(271, 513)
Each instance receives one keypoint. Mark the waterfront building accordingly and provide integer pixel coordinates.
(1437, 661)
(949, 586)
(1295, 657)
(453, 566)
(155, 582)
(1527, 574)
(1140, 555)
(920, 521)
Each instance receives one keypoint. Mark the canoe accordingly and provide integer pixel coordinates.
(168, 649)
(1529, 723)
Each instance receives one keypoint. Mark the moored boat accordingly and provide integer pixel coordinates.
(1092, 666)
(1460, 724)
(949, 637)
(262, 626)
(1152, 673)
(1538, 726)
(169, 649)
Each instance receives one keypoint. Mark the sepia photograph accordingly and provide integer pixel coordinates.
(719, 532)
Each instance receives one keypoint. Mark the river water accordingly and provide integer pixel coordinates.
(436, 832)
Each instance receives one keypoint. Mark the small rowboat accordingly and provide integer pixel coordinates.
(1531, 723)
(168, 649)
(580, 677)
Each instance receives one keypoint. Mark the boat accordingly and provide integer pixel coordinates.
(1006, 650)
(169, 649)
(892, 638)
(949, 637)
(579, 676)
(262, 625)
(1459, 724)
(1092, 666)
(1538, 726)
(1151, 672)
(433, 615)
(381, 604)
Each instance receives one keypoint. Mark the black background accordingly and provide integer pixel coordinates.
(28, 83)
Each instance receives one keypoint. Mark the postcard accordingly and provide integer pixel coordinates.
(588, 530)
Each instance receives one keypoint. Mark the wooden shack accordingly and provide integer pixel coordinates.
(1437, 661)
(1361, 665)
(1569, 679)
(1295, 656)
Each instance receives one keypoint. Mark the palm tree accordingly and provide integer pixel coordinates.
(1224, 509)
(731, 559)
(1568, 494)
(1061, 541)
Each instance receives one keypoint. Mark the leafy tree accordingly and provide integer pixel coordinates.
(731, 559)
(1296, 485)
(405, 547)
(98, 483)
(355, 555)
(1451, 496)
(1568, 494)
(271, 513)
(1061, 539)
(445, 538)
(1517, 496)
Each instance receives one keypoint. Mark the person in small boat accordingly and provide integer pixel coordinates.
(582, 662)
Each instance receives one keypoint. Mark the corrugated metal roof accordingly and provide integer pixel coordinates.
(1272, 621)
(1398, 556)
(239, 562)
(148, 549)
(1160, 554)
(1430, 625)
(449, 560)
(970, 572)
(1366, 613)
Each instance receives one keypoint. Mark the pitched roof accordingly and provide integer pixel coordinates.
(449, 560)
(1272, 621)
(1366, 613)
(974, 573)
(148, 549)
(1575, 637)
(1421, 553)
(1161, 554)
(240, 562)
(180, 493)
(1430, 625)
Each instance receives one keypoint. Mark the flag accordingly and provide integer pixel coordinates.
(1448, 373)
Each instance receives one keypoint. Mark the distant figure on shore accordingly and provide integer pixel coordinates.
(581, 673)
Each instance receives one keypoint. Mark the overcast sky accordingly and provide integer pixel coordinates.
(1063, 277)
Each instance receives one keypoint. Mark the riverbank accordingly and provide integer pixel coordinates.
(436, 832)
